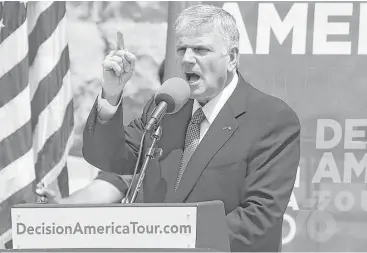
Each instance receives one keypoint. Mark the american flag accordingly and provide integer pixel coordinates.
(36, 106)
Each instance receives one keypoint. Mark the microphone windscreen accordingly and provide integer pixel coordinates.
(175, 92)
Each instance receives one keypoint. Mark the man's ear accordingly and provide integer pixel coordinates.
(233, 59)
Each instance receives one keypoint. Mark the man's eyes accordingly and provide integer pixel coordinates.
(197, 49)
(201, 49)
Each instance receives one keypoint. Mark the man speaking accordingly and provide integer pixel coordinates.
(228, 141)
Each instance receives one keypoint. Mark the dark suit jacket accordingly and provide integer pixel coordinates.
(248, 159)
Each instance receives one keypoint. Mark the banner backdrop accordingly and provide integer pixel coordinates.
(313, 56)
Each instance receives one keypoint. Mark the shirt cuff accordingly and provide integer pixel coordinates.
(106, 111)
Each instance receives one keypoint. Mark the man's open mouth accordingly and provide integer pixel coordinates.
(191, 77)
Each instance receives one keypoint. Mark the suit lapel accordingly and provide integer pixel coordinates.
(169, 168)
(217, 135)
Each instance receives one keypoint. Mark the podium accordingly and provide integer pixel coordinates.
(138, 227)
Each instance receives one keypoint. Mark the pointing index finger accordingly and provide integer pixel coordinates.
(120, 40)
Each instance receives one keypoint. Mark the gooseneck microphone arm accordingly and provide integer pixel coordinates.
(156, 116)
(151, 154)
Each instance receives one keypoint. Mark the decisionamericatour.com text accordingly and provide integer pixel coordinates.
(112, 228)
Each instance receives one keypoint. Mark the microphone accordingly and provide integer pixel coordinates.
(169, 99)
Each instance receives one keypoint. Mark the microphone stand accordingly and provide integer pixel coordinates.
(151, 154)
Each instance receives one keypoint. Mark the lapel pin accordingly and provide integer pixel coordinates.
(227, 128)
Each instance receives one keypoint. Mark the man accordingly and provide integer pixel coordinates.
(229, 142)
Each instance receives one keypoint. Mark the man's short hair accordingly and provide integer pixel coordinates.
(196, 17)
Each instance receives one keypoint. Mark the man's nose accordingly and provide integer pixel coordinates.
(189, 56)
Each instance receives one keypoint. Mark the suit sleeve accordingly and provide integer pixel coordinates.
(112, 147)
(271, 173)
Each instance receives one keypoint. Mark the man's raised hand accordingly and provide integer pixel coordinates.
(118, 68)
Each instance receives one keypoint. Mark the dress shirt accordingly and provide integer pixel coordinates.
(213, 107)
(105, 110)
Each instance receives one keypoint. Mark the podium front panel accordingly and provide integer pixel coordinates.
(111, 226)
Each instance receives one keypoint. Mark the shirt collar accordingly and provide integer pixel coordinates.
(213, 107)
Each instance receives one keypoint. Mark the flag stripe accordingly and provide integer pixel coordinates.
(14, 49)
(63, 178)
(9, 244)
(10, 181)
(45, 26)
(54, 174)
(25, 195)
(15, 114)
(49, 54)
(13, 18)
(34, 11)
(54, 148)
(5, 238)
(15, 145)
(13, 82)
(49, 87)
(49, 121)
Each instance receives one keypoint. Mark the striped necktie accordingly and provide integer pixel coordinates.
(192, 140)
